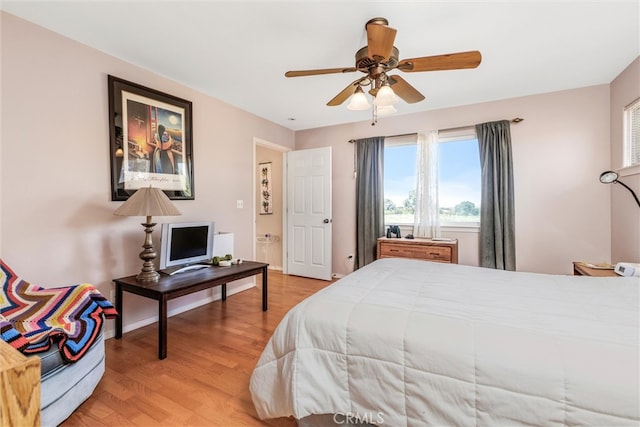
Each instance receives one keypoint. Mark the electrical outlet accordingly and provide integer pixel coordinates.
(239, 204)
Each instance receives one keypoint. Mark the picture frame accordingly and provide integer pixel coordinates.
(150, 141)
(266, 190)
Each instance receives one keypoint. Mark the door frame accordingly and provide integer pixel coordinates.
(282, 149)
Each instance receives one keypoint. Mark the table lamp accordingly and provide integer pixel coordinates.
(148, 201)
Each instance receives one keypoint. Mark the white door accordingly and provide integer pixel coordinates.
(308, 182)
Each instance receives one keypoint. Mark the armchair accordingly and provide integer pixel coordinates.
(63, 328)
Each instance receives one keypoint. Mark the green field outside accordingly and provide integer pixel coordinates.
(408, 218)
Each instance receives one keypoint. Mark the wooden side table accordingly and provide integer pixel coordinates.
(170, 287)
(580, 269)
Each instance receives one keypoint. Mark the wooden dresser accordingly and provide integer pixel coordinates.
(427, 249)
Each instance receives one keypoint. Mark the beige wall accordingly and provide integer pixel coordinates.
(56, 218)
(562, 211)
(625, 214)
(270, 253)
(57, 222)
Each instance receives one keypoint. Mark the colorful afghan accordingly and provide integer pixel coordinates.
(33, 318)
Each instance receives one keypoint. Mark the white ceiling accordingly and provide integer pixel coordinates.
(239, 51)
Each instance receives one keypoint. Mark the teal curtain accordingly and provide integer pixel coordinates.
(497, 218)
(369, 198)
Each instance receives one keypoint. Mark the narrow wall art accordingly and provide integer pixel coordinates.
(266, 193)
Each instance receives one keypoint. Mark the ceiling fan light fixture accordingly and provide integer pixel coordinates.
(378, 58)
(386, 110)
(358, 101)
(385, 96)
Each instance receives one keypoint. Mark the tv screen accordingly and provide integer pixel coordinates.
(186, 243)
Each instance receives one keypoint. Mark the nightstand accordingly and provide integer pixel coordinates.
(580, 269)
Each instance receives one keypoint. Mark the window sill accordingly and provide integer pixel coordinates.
(460, 228)
(629, 170)
(455, 228)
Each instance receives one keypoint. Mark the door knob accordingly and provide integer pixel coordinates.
(326, 221)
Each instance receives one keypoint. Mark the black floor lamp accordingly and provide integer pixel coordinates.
(611, 177)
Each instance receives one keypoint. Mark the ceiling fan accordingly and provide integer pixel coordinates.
(379, 57)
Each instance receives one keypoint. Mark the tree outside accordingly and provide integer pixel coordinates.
(464, 211)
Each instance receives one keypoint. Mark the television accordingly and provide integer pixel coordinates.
(185, 243)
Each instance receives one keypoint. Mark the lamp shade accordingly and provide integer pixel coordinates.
(385, 96)
(607, 177)
(148, 201)
(358, 101)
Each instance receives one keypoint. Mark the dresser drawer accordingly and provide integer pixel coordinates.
(418, 249)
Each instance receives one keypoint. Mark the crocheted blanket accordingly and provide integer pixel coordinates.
(32, 318)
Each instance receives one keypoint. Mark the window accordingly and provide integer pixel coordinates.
(632, 134)
(400, 179)
(458, 178)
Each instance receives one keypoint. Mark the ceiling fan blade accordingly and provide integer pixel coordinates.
(451, 61)
(404, 90)
(301, 73)
(380, 40)
(345, 94)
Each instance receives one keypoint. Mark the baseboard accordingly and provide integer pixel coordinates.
(177, 310)
(274, 267)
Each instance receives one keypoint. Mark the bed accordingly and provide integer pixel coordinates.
(403, 342)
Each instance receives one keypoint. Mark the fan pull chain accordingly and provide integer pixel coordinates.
(374, 110)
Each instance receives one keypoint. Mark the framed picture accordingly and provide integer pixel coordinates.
(150, 141)
(266, 192)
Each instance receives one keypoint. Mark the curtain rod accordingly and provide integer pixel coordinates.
(516, 120)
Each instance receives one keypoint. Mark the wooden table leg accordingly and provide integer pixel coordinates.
(162, 327)
(264, 288)
(119, 310)
(224, 292)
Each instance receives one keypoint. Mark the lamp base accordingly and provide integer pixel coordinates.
(148, 273)
(148, 276)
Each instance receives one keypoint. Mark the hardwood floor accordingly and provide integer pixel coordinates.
(204, 381)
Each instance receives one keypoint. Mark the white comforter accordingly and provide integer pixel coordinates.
(403, 342)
